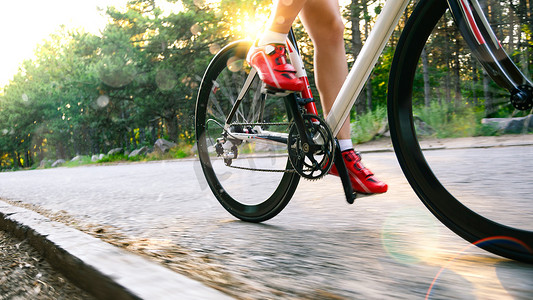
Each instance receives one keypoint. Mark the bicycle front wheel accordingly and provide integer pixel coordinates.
(244, 159)
(481, 192)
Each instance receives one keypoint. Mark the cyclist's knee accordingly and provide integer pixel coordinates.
(337, 29)
(327, 31)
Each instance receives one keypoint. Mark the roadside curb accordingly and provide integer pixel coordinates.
(385, 145)
(105, 271)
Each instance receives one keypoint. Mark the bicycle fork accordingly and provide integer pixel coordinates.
(482, 40)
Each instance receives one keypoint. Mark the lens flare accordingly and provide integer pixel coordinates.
(488, 240)
(235, 64)
(102, 101)
(214, 48)
(410, 235)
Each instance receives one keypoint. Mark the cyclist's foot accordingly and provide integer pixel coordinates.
(270, 61)
(363, 180)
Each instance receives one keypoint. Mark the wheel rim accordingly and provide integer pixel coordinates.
(249, 195)
(467, 203)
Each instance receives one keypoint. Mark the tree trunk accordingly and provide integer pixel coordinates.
(172, 128)
(17, 158)
(486, 93)
(425, 70)
(153, 132)
(357, 44)
(60, 151)
(369, 105)
(142, 135)
(475, 80)
(457, 75)
(27, 158)
(126, 139)
(525, 20)
(447, 84)
(355, 19)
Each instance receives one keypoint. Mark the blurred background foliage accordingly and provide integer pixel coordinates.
(137, 80)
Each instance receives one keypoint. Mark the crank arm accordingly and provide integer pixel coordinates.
(343, 174)
(299, 122)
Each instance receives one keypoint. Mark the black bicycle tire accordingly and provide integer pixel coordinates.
(489, 235)
(268, 208)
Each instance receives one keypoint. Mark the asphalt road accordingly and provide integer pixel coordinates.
(382, 247)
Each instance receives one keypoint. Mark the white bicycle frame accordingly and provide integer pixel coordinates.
(381, 32)
(354, 83)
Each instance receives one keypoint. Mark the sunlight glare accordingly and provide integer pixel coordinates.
(250, 25)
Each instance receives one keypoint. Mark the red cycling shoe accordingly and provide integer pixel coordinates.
(270, 61)
(363, 180)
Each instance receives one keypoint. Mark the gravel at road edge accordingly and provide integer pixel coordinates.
(24, 274)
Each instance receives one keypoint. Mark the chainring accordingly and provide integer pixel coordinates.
(312, 160)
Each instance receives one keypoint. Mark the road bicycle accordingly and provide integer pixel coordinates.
(254, 143)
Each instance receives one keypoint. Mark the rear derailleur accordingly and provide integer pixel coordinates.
(226, 147)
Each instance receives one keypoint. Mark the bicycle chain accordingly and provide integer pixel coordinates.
(265, 170)
(262, 170)
(266, 124)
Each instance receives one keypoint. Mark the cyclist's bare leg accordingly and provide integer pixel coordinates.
(324, 24)
(284, 12)
(323, 21)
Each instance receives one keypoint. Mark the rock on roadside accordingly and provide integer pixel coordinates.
(140, 151)
(58, 162)
(510, 125)
(163, 145)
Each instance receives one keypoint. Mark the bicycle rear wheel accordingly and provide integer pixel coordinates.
(481, 192)
(252, 179)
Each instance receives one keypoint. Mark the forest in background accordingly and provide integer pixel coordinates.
(137, 80)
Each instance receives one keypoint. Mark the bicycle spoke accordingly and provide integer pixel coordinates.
(248, 177)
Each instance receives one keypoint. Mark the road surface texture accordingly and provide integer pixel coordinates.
(382, 247)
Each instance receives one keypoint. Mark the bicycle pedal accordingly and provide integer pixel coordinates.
(267, 89)
(357, 195)
(363, 195)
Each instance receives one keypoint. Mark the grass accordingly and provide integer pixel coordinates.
(119, 157)
(84, 160)
(438, 120)
(181, 151)
(448, 121)
(365, 127)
